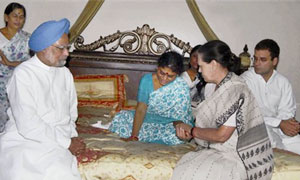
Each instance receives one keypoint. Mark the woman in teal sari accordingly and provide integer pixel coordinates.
(163, 102)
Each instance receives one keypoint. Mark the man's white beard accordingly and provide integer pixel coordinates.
(61, 63)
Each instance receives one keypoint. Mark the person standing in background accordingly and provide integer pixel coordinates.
(14, 49)
(194, 79)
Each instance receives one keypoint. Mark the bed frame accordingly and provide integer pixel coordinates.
(141, 49)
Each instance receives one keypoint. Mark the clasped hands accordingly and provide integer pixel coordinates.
(290, 127)
(183, 131)
(3, 59)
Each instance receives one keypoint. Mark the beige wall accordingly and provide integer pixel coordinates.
(236, 22)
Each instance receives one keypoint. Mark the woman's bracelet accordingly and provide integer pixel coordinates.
(192, 131)
(135, 138)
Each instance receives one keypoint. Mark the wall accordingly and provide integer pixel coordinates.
(236, 22)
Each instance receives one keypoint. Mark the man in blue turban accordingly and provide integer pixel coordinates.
(40, 138)
(49, 35)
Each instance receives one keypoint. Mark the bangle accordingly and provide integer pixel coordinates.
(192, 131)
(134, 137)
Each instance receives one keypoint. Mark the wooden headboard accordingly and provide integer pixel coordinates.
(141, 50)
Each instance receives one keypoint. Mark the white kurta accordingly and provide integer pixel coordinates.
(191, 84)
(277, 102)
(42, 121)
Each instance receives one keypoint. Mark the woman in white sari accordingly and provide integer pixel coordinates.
(229, 130)
(13, 50)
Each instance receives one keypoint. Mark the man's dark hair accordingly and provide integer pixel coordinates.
(270, 45)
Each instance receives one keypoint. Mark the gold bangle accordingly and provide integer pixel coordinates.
(134, 137)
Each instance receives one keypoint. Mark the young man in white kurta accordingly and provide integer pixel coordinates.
(275, 98)
(39, 134)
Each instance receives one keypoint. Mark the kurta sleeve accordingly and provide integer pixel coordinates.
(272, 121)
(286, 107)
(24, 108)
(251, 82)
(73, 106)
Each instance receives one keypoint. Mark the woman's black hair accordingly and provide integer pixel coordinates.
(220, 51)
(11, 7)
(195, 49)
(172, 60)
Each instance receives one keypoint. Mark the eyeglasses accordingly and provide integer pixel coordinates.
(60, 47)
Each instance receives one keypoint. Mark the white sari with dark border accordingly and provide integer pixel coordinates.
(247, 154)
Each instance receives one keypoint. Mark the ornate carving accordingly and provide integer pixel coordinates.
(145, 41)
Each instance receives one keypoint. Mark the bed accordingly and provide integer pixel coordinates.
(106, 82)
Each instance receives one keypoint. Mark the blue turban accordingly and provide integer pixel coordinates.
(48, 33)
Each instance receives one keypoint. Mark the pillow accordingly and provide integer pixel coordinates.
(100, 90)
(129, 104)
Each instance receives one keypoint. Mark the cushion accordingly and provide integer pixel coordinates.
(287, 165)
(100, 90)
(129, 104)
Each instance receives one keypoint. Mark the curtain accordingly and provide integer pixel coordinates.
(89, 11)
(201, 22)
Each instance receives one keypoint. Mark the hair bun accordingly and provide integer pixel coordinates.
(234, 63)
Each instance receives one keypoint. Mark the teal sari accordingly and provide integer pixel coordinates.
(165, 105)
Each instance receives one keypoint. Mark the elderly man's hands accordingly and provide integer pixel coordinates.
(290, 127)
(77, 146)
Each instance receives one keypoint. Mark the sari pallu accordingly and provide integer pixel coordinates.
(167, 104)
(16, 49)
(247, 154)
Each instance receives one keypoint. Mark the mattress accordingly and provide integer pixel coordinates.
(108, 157)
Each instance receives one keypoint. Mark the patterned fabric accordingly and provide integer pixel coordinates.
(286, 165)
(165, 105)
(109, 158)
(247, 154)
(16, 49)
